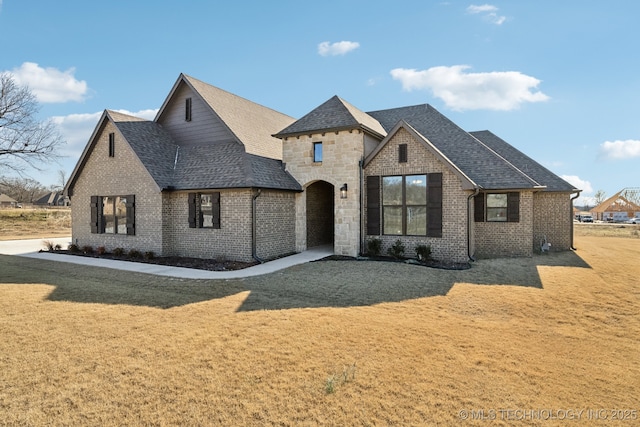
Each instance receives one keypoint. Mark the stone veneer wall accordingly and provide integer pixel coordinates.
(276, 218)
(453, 243)
(507, 239)
(342, 152)
(552, 217)
(232, 241)
(120, 175)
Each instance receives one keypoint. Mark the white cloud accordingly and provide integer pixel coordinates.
(578, 183)
(620, 149)
(472, 91)
(337, 48)
(76, 129)
(488, 12)
(50, 85)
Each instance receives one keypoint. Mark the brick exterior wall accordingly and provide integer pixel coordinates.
(120, 175)
(453, 243)
(276, 219)
(507, 239)
(552, 217)
(342, 153)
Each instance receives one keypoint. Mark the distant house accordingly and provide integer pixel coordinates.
(7, 202)
(618, 207)
(54, 198)
(215, 175)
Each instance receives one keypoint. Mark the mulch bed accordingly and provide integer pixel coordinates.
(444, 265)
(172, 261)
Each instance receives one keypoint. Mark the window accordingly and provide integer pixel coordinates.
(497, 207)
(112, 145)
(402, 153)
(404, 201)
(317, 152)
(187, 109)
(410, 205)
(113, 214)
(204, 210)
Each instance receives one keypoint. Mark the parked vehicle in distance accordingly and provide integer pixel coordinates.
(585, 218)
(633, 221)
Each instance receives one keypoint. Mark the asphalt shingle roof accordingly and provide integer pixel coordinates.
(335, 113)
(217, 165)
(483, 166)
(523, 162)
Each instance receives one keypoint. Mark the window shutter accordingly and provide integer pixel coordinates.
(215, 202)
(95, 223)
(373, 205)
(192, 210)
(513, 207)
(131, 215)
(434, 205)
(402, 153)
(478, 208)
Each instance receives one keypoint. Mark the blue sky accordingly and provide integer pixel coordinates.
(558, 80)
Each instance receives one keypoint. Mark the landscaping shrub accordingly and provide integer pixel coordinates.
(134, 253)
(73, 248)
(149, 255)
(374, 246)
(49, 245)
(118, 251)
(397, 249)
(87, 249)
(101, 250)
(423, 252)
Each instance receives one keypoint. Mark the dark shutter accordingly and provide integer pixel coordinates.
(402, 153)
(215, 208)
(434, 205)
(95, 208)
(131, 215)
(373, 205)
(192, 210)
(513, 207)
(478, 208)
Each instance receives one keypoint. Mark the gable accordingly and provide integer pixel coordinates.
(204, 127)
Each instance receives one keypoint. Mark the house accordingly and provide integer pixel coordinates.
(53, 198)
(7, 202)
(215, 175)
(618, 207)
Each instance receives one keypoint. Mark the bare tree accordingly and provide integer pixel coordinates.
(599, 197)
(23, 139)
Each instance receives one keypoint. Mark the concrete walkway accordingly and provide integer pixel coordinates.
(29, 248)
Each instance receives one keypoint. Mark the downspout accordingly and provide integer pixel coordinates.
(471, 196)
(254, 221)
(361, 237)
(571, 208)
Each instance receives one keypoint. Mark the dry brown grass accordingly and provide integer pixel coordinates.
(399, 344)
(608, 230)
(34, 223)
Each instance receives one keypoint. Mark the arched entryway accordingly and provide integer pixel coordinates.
(320, 214)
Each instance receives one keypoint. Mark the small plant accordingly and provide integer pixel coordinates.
(101, 250)
(348, 374)
(374, 246)
(423, 252)
(49, 245)
(135, 254)
(73, 248)
(57, 247)
(149, 255)
(118, 251)
(397, 249)
(87, 249)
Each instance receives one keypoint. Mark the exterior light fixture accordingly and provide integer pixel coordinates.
(343, 191)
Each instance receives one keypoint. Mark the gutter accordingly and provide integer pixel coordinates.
(254, 250)
(362, 233)
(471, 196)
(571, 208)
